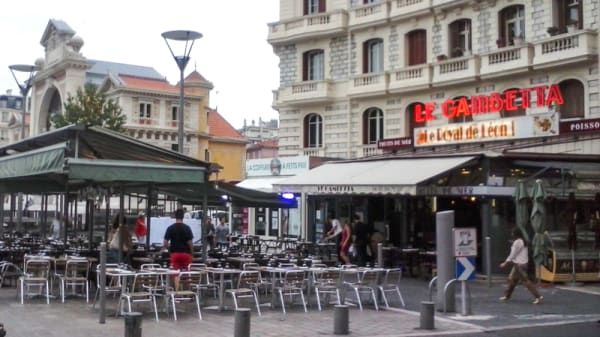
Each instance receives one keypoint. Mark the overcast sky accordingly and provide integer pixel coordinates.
(233, 54)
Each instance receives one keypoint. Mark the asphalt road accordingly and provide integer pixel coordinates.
(563, 330)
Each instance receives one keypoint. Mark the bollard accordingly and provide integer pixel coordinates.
(427, 314)
(341, 319)
(488, 260)
(133, 324)
(242, 323)
(380, 255)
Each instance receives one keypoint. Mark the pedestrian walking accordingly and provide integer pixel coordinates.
(519, 257)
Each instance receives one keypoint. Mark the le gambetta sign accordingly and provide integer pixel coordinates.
(538, 125)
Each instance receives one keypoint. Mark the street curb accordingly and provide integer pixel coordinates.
(523, 326)
(475, 327)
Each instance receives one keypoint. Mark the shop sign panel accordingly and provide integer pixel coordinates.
(284, 166)
(579, 126)
(540, 125)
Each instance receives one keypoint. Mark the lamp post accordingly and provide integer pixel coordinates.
(188, 37)
(24, 89)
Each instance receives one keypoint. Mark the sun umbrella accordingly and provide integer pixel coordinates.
(522, 214)
(538, 222)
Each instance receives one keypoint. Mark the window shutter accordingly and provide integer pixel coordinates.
(502, 29)
(422, 46)
(322, 6)
(306, 4)
(306, 131)
(320, 132)
(454, 26)
(580, 14)
(365, 128)
(305, 57)
(365, 58)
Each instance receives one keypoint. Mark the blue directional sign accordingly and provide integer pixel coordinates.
(465, 268)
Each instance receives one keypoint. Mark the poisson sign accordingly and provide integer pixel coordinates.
(510, 100)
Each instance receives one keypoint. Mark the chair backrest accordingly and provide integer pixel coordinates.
(248, 278)
(146, 281)
(196, 266)
(147, 266)
(294, 277)
(327, 276)
(77, 268)
(319, 265)
(349, 266)
(393, 276)
(188, 280)
(37, 268)
(370, 277)
(108, 266)
(251, 266)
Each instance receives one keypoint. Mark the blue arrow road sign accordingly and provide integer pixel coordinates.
(465, 268)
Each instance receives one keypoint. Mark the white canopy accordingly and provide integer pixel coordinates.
(386, 176)
(263, 184)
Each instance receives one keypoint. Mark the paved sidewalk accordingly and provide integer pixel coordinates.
(75, 318)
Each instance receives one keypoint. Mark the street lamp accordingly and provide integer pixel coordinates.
(186, 36)
(24, 89)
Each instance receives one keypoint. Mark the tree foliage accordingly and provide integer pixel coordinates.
(90, 107)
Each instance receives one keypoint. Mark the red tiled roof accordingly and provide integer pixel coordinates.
(220, 127)
(148, 84)
(195, 76)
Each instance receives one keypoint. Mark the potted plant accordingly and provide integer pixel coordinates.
(441, 57)
(552, 31)
(500, 43)
(457, 52)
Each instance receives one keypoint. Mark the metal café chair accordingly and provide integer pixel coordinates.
(189, 290)
(75, 275)
(326, 282)
(292, 284)
(113, 284)
(36, 273)
(391, 283)
(368, 284)
(247, 287)
(142, 291)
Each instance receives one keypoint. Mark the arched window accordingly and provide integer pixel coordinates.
(573, 95)
(314, 7)
(512, 25)
(313, 65)
(373, 56)
(411, 124)
(518, 102)
(372, 125)
(417, 47)
(313, 130)
(462, 118)
(460, 37)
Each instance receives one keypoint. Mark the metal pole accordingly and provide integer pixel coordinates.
(148, 217)
(204, 229)
(121, 222)
(102, 285)
(1, 213)
(242, 323)
(66, 212)
(107, 217)
(180, 113)
(488, 259)
(19, 212)
(445, 258)
(466, 299)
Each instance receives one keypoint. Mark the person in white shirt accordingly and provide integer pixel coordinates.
(335, 234)
(519, 258)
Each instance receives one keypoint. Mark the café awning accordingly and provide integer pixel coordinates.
(263, 184)
(388, 176)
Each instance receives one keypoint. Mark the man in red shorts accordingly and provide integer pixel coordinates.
(178, 238)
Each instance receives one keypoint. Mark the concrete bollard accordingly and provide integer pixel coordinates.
(427, 314)
(341, 320)
(242, 323)
(133, 324)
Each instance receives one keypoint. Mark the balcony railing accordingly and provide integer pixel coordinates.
(371, 150)
(456, 70)
(565, 48)
(313, 91)
(310, 26)
(411, 78)
(507, 61)
(314, 151)
(147, 121)
(406, 8)
(365, 14)
(369, 84)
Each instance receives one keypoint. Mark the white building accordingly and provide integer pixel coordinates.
(352, 72)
